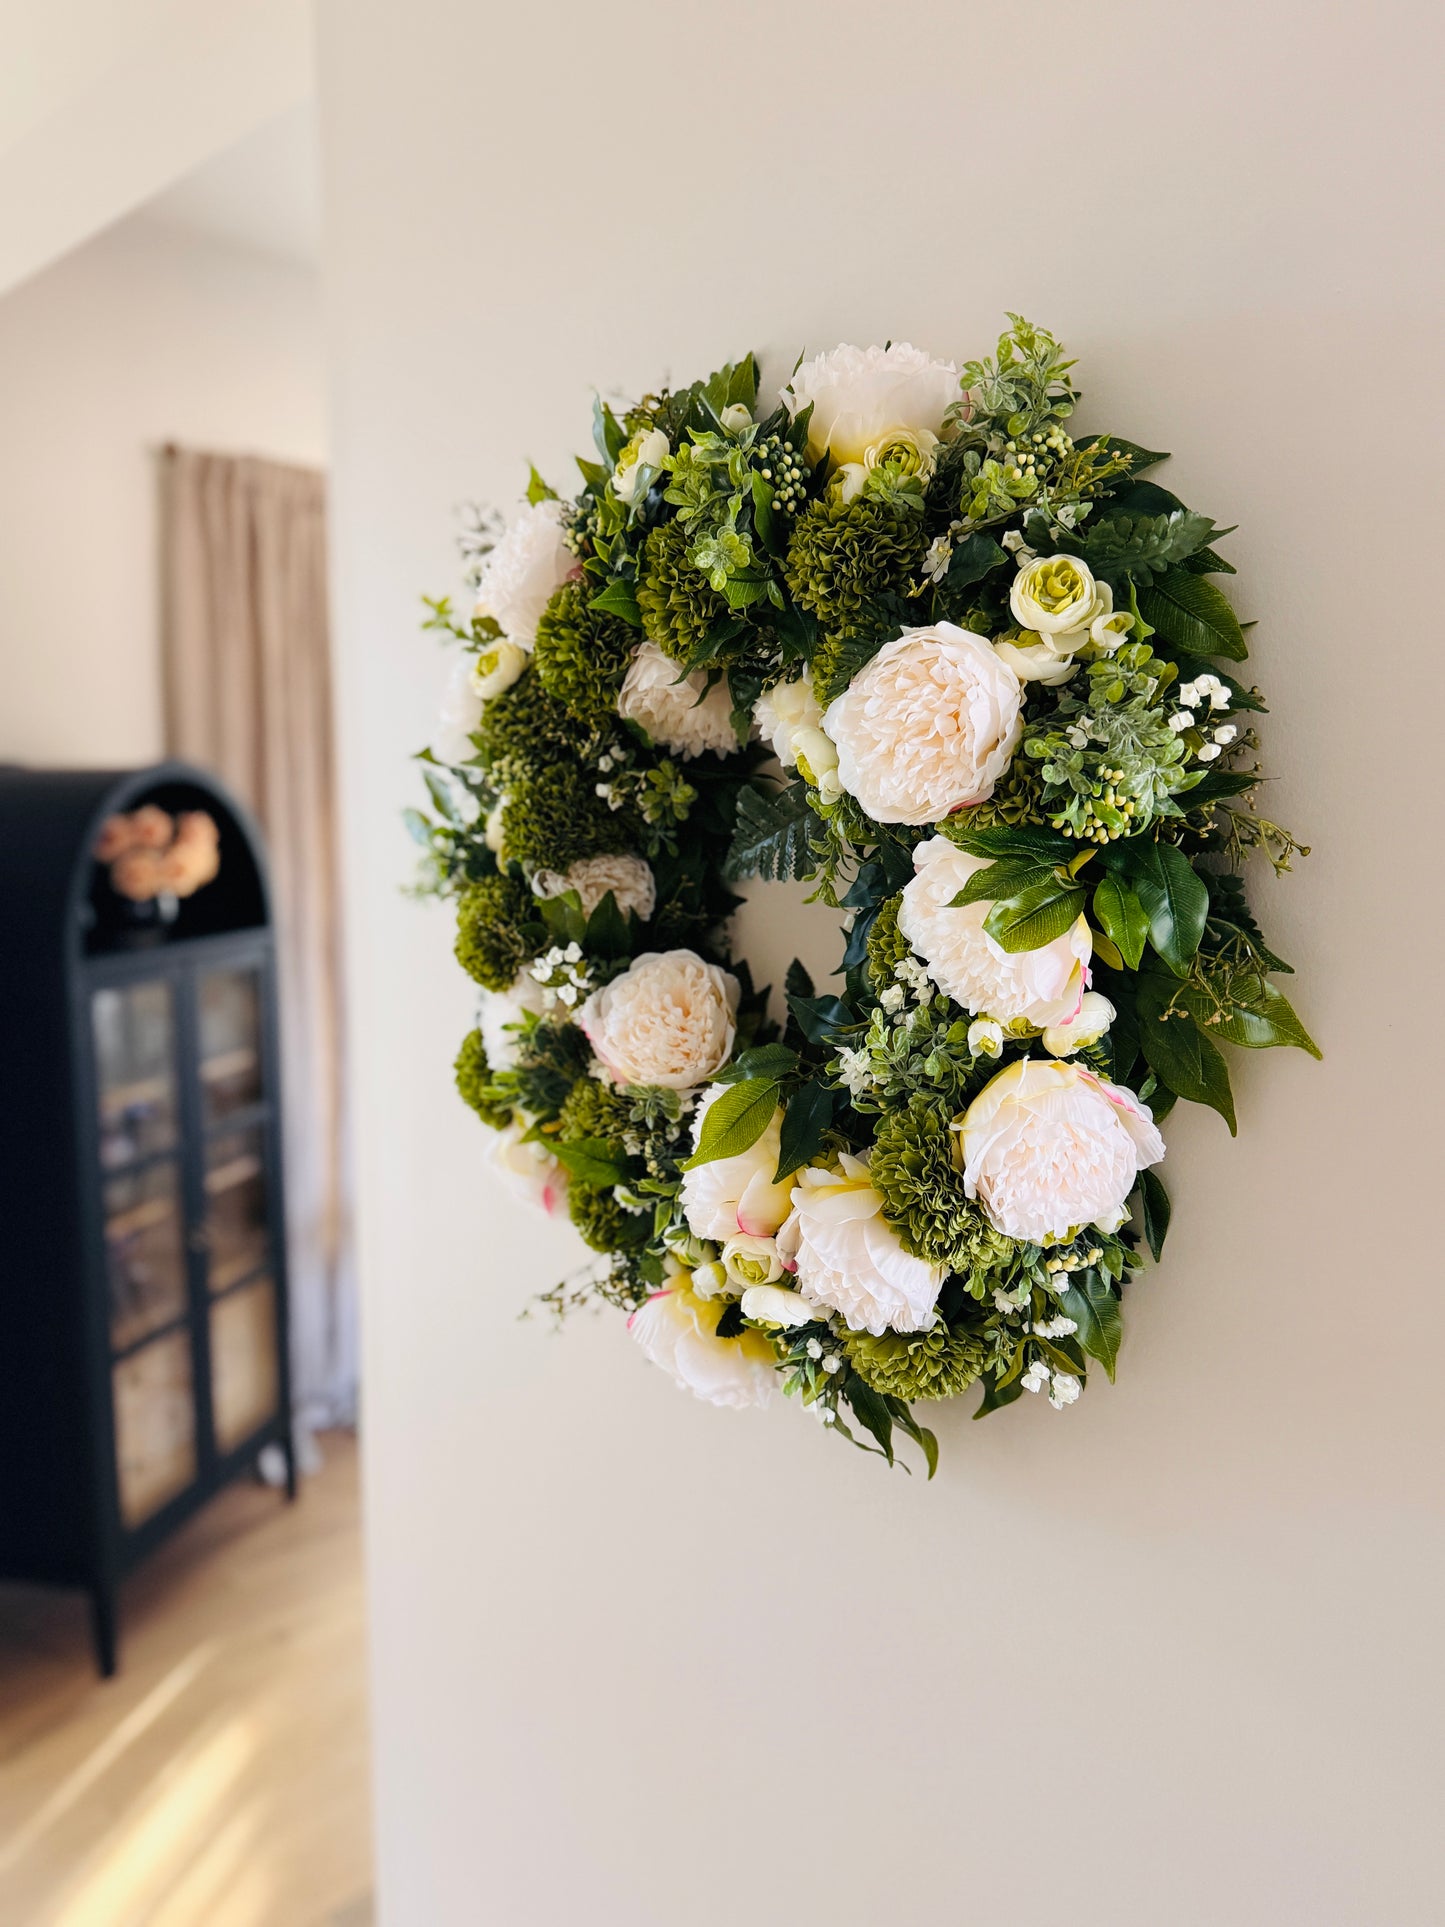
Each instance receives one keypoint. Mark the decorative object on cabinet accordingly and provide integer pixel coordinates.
(143, 1357)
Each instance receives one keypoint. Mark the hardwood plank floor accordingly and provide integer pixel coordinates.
(221, 1779)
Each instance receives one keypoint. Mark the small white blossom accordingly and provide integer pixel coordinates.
(1017, 547)
(1059, 1327)
(853, 1069)
(893, 998)
(814, 1348)
(1226, 733)
(985, 1037)
(1064, 1390)
(1036, 1378)
(1207, 752)
(1181, 720)
(937, 559)
(914, 973)
(833, 1362)
(568, 993)
(1189, 694)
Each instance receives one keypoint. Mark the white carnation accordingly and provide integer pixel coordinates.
(860, 394)
(685, 717)
(731, 1195)
(1048, 1147)
(669, 1019)
(928, 726)
(499, 1010)
(677, 1330)
(525, 570)
(528, 1169)
(780, 713)
(1039, 987)
(461, 711)
(845, 1257)
(629, 879)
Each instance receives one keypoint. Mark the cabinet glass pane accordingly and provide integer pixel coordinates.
(145, 1258)
(235, 1206)
(230, 1019)
(136, 1070)
(155, 1429)
(244, 1377)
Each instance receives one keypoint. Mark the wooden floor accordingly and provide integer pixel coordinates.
(221, 1779)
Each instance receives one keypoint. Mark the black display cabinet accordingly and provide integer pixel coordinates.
(143, 1357)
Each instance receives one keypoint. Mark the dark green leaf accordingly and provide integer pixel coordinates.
(1001, 880)
(1154, 1200)
(730, 1323)
(735, 1120)
(1179, 1053)
(773, 1061)
(591, 1160)
(619, 598)
(1035, 916)
(819, 1017)
(796, 981)
(972, 560)
(1267, 1021)
(809, 1113)
(1190, 613)
(607, 931)
(999, 1391)
(1094, 1308)
(871, 1411)
(1174, 899)
(1122, 918)
(1140, 458)
(772, 835)
(1142, 547)
(920, 1434)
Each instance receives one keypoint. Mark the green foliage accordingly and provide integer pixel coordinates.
(844, 556)
(550, 1058)
(915, 1169)
(735, 1120)
(938, 1363)
(581, 656)
(887, 946)
(605, 1224)
(554, 817)
(1192, 615)
(679, 605)
(774, 835)
(525, 728)
(597, 1111)
(493, 935)
(474, 1082)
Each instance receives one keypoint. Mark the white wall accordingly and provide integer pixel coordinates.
(144, 335)
(1173, 1656)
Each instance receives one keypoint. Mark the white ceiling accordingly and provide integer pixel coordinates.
(265, 192)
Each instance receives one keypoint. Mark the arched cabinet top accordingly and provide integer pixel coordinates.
(56, 894)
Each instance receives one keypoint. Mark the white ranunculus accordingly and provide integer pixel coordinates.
(678, 1331)
(859, 394)
(678, 716)
(1037, 660)
(846, 1257)
(492, 829)
(499, 1010)
(985, 1037)
(926, 727)
(1039, 987)
(1055, 593)
(461, 711)
(1048, 1147)
(736, 418)
(750, 1261)
(781, 712)
(1087, 1026)
(528, 1170)
(776, 1305)
(817, 756)
(629, 879)
(648, 449)
(669, 1019)
(525, 570)
(496, 668)
(731, 1195)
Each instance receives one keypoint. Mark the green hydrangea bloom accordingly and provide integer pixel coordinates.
(678, 603)
(554, 817)
(915, 1170)
(911, 1365)
(473, 1075)
(844, 555)
(602, 1221)
(594, 1109)
(887, 946)
(581, 655)
(490, 943)
(525, 728)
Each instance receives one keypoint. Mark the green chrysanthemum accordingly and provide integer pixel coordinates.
(914, 1169)
(844, 555)
(887, 946)
(490, 944)
(594, 1110)
(525, 728)
(678, 603)
(473, 1075)
(581, 655)
(938, 1363)
(554, 817)
(602, 1221)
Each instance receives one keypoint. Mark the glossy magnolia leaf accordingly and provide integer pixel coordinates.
(809, 1113)
(1036, 916)
(973, 558)
(1179, 1053)
(1174, 899)
(1191, 613)
(819, 1017)
(772, 1061)
(1122, 918)
(1268, 1021)
(1094, 1308)
(1000, 1391)
(735, 1121)
(1154, 1202)
(591, 1160)
(1001, 880)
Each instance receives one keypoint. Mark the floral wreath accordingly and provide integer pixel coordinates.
(905, 637)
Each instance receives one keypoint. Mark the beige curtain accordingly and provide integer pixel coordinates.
(248, 695)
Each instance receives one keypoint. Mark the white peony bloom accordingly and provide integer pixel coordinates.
(629, 879)
(732, 1195)
(928, 726)
(678, 716)
(846, 1257)
(1048, 1147)
(859, 394)
(1086, 1026)
(524, 571)
(648, 449)
(1039, 987)
(496, 668)
(499, 1010)
(781, 712)
(776, 1305)
(1054, 594)
(669, 1019)
(460, 713)
(678, 1331)
(528, 1170)
(750, 1261)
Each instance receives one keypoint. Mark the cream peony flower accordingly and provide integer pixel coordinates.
(649, 448)
(928, 726)
(528, 1170)
(1087, 1026)
(669, 1019)
(846, 1258)
(496, 668)
(629, 879)
(1039, 987)
(781, 712)
(678, 1331)
(499, 1010)
(461, 711)
(732, 1195)
(862, 395)
(776, 1305)
(524, 571)
(684, 718)
(1048, 1147)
